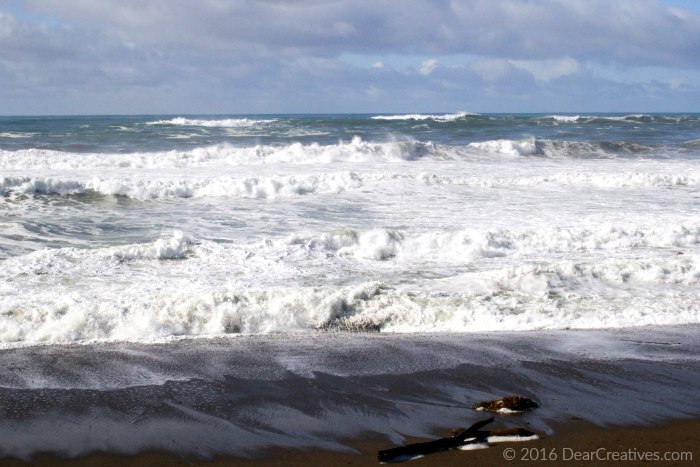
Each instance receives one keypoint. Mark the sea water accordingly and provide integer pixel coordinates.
(149, 228)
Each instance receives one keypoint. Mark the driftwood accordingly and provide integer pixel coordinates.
(443, 444)
(507, 404)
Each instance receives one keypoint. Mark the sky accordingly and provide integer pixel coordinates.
(61, 57)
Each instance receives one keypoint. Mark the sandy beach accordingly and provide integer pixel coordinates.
(339, 398)
(574, 443)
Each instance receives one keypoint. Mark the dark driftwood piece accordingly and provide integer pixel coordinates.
(442, 444)
(513, 403)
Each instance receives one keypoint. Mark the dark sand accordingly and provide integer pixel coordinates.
(680, 439)
(336, 399)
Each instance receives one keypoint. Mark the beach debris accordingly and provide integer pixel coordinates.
(472, 435)
(508, 404)
(504, 435)
(511, 435)
(465, 439)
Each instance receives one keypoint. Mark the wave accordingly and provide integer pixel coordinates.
(223, 123)
(390, 246)
(438, 117)
(17, 134)
(633, 118)
(599, 180)
(559, 148)
(356, 150)
(175, 246)
(290, 186)
(506, 146)
(529, 297)
(43, 298)
(246, 187)
(467, 245)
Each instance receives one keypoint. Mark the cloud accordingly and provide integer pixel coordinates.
(268, 56)
(428, 66)
(547, 70)
(625, 31)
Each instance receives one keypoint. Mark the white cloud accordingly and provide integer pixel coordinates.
(547, 70)
(428, 66)
(491, 69)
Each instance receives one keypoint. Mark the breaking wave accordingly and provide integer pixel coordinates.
(524, 295)
(531, 297)
(223, 123)
(246, 187)
(289, 186)
(467, 245)
(438, 117)
(559, 148)
(141, 187)
(356, 150)
(634, 118)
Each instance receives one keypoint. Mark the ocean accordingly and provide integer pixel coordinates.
(149, 228)
(209, 285)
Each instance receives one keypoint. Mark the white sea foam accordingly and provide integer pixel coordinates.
(506, 146)
(143, 186)
(16, 134)
(519, 233)
(467, 245)
(51, 295)
(532, 297)
(216, 187)
(557, 149)
(54, 261)
(354, 151)
(437, 117)
(222, 123)
(566, 118)
(597, 179)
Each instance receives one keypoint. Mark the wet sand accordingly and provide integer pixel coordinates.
(336, 399)
(573, 443)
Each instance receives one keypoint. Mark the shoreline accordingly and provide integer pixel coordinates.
(573, 443)
(295, 398)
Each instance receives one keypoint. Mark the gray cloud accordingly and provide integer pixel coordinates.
(631, 32)
(204, 56)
